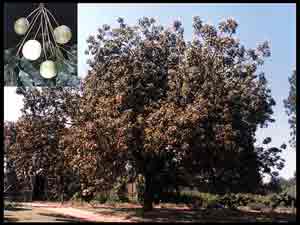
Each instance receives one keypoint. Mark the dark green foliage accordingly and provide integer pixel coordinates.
(173, 197)
(171, 108)
(167, 100)
(274, 185)
(230, 200)
(267, 140)
(68, 70)
(38, 133)
(25, 73)
(71, 183)
(10, 205)
(290, 105)
(101, 197)
(10, 176)
(282, 199)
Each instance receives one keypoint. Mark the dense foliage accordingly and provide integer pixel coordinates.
(153, 99)
(21, 72)
(10, 179)
(290, 105)
(9, 135)
(167, 108)
(38, 132)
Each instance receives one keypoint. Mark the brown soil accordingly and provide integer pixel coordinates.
(129, 212)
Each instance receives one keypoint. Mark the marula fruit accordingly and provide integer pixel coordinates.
(48, 69)
(62, 34)
(21, 26)
(32, 50)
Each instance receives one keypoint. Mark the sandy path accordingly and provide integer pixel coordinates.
(86, 215)
(82, 214)
(131, 213)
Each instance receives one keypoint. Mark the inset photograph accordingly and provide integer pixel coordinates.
(40, 44)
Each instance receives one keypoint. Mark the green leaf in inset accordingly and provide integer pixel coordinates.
(25, 79)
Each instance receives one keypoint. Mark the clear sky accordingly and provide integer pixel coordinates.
(257, 23)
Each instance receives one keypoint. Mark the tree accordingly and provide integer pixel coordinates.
(10, 178)
(36, 151)
(152, 98)
(274, 186)
(9, 135)
(290, 105)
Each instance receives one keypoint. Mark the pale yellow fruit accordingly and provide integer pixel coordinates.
(48, 69)
(62, 34)
(32, 50)
(21, 26)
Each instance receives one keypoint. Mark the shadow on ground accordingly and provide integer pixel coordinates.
(189, 215)
(9, 220)
(18, 209)
(26, 215)
(61, 218)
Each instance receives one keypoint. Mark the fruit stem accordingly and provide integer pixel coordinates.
(32, 12)
(30, 28)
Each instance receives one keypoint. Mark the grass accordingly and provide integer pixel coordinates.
(11, 205)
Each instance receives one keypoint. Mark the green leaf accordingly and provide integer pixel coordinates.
(25, 79)
(34, 74)
(67, 69)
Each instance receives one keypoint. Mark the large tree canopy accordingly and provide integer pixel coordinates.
(152, 98)
(159, 104)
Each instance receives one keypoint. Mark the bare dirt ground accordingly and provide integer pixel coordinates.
(127, 212)
(26, 214)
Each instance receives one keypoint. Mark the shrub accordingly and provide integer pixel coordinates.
(265, 200)
(101, 198)
(112, 198)
(172, 197)
(282, 199)
(123, 198)
(115, 197)
(229, 200)
(208, 200)
(244, 199)
(10, 205)
(256, 206)
(76, 196)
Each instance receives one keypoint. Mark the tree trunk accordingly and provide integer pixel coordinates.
(177, 193)
(38, 188)
(148, 194)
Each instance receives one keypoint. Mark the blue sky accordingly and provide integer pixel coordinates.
(257, 23)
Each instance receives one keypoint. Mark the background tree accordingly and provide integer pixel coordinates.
(38, 131)
(290, 105)
(274, 186)
(10, 178)
(152, 98)
(9, 135)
